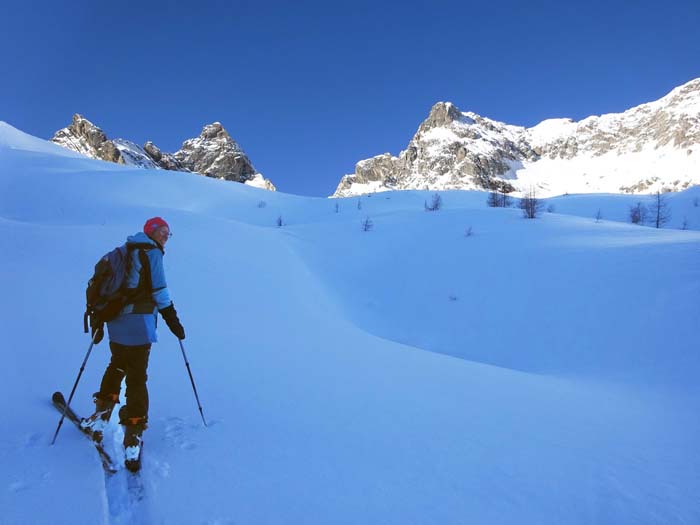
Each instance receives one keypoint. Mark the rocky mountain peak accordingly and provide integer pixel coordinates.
(85, 137)
(442, 114)
(214, 131)
(80, 126)
(213, 153)
(654, 146)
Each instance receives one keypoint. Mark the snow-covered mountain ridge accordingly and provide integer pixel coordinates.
(214, 153)
(654, 146)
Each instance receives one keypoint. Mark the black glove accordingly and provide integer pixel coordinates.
(170, 316)
(98, 330)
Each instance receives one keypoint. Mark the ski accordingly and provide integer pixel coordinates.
(59, 402)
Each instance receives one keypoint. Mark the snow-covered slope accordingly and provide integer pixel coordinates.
(654, 146)
(540, 371)
(13, 139)
(134, 155)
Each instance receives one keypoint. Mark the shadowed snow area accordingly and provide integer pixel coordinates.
(536, 371)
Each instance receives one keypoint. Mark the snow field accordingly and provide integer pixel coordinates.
(535, 372)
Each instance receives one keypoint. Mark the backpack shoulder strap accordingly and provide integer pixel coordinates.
(147, 283)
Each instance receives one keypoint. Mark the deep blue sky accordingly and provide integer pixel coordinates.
(310, 88)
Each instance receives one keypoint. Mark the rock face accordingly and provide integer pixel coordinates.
(86, 138)
(649, 147)
(214, 153)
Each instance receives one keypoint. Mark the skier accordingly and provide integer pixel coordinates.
(130, 338)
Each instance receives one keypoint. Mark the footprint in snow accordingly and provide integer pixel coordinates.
(175, 433)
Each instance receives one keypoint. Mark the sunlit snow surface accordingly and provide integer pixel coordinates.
(536, 371)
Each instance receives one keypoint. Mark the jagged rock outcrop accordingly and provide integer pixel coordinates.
(214, 153)
(649, 147)
(84, 137)
(167, 161)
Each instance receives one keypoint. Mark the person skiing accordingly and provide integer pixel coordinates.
(131, 335)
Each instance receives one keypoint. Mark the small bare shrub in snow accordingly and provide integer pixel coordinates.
(359, 204)
(530, 204)
(684, 226)
(453, 297)
(598, 216)
(337, 207)
(696, 201)
(280, 223)
(435, 203)
(550, 208)
(638, 213)
(498, 200)
(262, 204)
(468, 232)
(367, 225)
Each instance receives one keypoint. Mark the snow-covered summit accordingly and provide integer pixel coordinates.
(215, 154)
(654, 146)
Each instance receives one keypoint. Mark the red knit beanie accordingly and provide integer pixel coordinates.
(153, 224)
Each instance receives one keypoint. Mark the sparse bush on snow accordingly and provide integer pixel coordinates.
(435, 203)
(638, 213)
(530, 204)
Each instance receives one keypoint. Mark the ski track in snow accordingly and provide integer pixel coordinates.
(126, 493)
(127, 498)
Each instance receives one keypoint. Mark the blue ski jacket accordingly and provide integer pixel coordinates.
(136, 323)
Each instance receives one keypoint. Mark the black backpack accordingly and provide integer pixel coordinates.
(106, 294)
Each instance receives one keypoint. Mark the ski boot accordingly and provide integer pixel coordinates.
(96, 423)
(133, 443)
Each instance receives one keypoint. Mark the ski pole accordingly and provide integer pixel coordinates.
(187, 364)
(70, 398)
